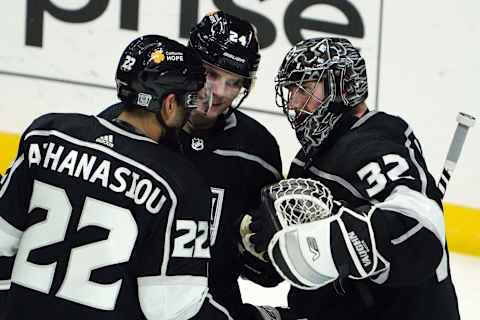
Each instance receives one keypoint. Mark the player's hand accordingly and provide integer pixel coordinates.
(260, 226)
(251, 239)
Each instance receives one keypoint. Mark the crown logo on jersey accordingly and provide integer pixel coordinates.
(197, 144)
(105, 140)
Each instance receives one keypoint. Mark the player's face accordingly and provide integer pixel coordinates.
(221, 88)
(304, 98)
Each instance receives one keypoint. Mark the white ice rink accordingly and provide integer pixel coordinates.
(465, 273)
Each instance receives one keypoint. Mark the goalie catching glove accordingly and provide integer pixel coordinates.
(312, 240)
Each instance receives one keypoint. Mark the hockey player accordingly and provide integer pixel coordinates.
(236, 154)
(239, 156)
(382, 254)
(106, 221)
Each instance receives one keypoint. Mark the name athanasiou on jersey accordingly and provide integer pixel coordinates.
(88, 167)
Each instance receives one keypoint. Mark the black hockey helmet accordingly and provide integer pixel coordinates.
(153, 66)
(227, 42)
(343, 71)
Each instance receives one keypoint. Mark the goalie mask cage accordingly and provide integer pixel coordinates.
(301, 200)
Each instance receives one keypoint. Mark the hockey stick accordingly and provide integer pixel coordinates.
(465, 122)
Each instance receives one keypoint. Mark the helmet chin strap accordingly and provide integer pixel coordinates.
(231, 109)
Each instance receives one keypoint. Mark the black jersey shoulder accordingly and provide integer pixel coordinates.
(253, 137)
(377, 154)
(106, 141)
(251, 127)
(112, 111)
(253, 131)
(363, 136)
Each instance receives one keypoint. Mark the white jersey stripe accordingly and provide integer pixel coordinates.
(421, 172)
(416, 205)
(14, 167)
(219, 306)
(344, 183)
(5, 284)
(251, 157)
(325, 175)
(123, 132)
(404, 237)
(363, 119)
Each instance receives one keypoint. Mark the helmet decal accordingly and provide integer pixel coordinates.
(157, 56)
(227, 42)
(153, 66)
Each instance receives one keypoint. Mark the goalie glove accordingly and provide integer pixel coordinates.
(321, 240)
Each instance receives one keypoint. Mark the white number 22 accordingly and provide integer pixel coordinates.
(76, 285)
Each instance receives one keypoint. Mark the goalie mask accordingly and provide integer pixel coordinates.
(331, 62)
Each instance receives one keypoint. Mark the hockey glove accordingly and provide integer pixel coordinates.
(259, 227)
(321, 240)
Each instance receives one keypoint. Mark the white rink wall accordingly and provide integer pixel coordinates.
(426, 56)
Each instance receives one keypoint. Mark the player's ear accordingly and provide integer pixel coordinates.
(169, 106)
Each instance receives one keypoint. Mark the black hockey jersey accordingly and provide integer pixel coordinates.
(102, 219)
(379, 162)
(237, 158)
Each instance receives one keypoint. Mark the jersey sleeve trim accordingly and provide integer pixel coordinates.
(171, 297)
(421, 171)
(14, 167)
(325, 175)
(173, 280)
(218, 306)
(344, 183)
(298, 162)
(251, 157)
(404, 237)
(415, 205)
(364, 119)
(5, 285)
